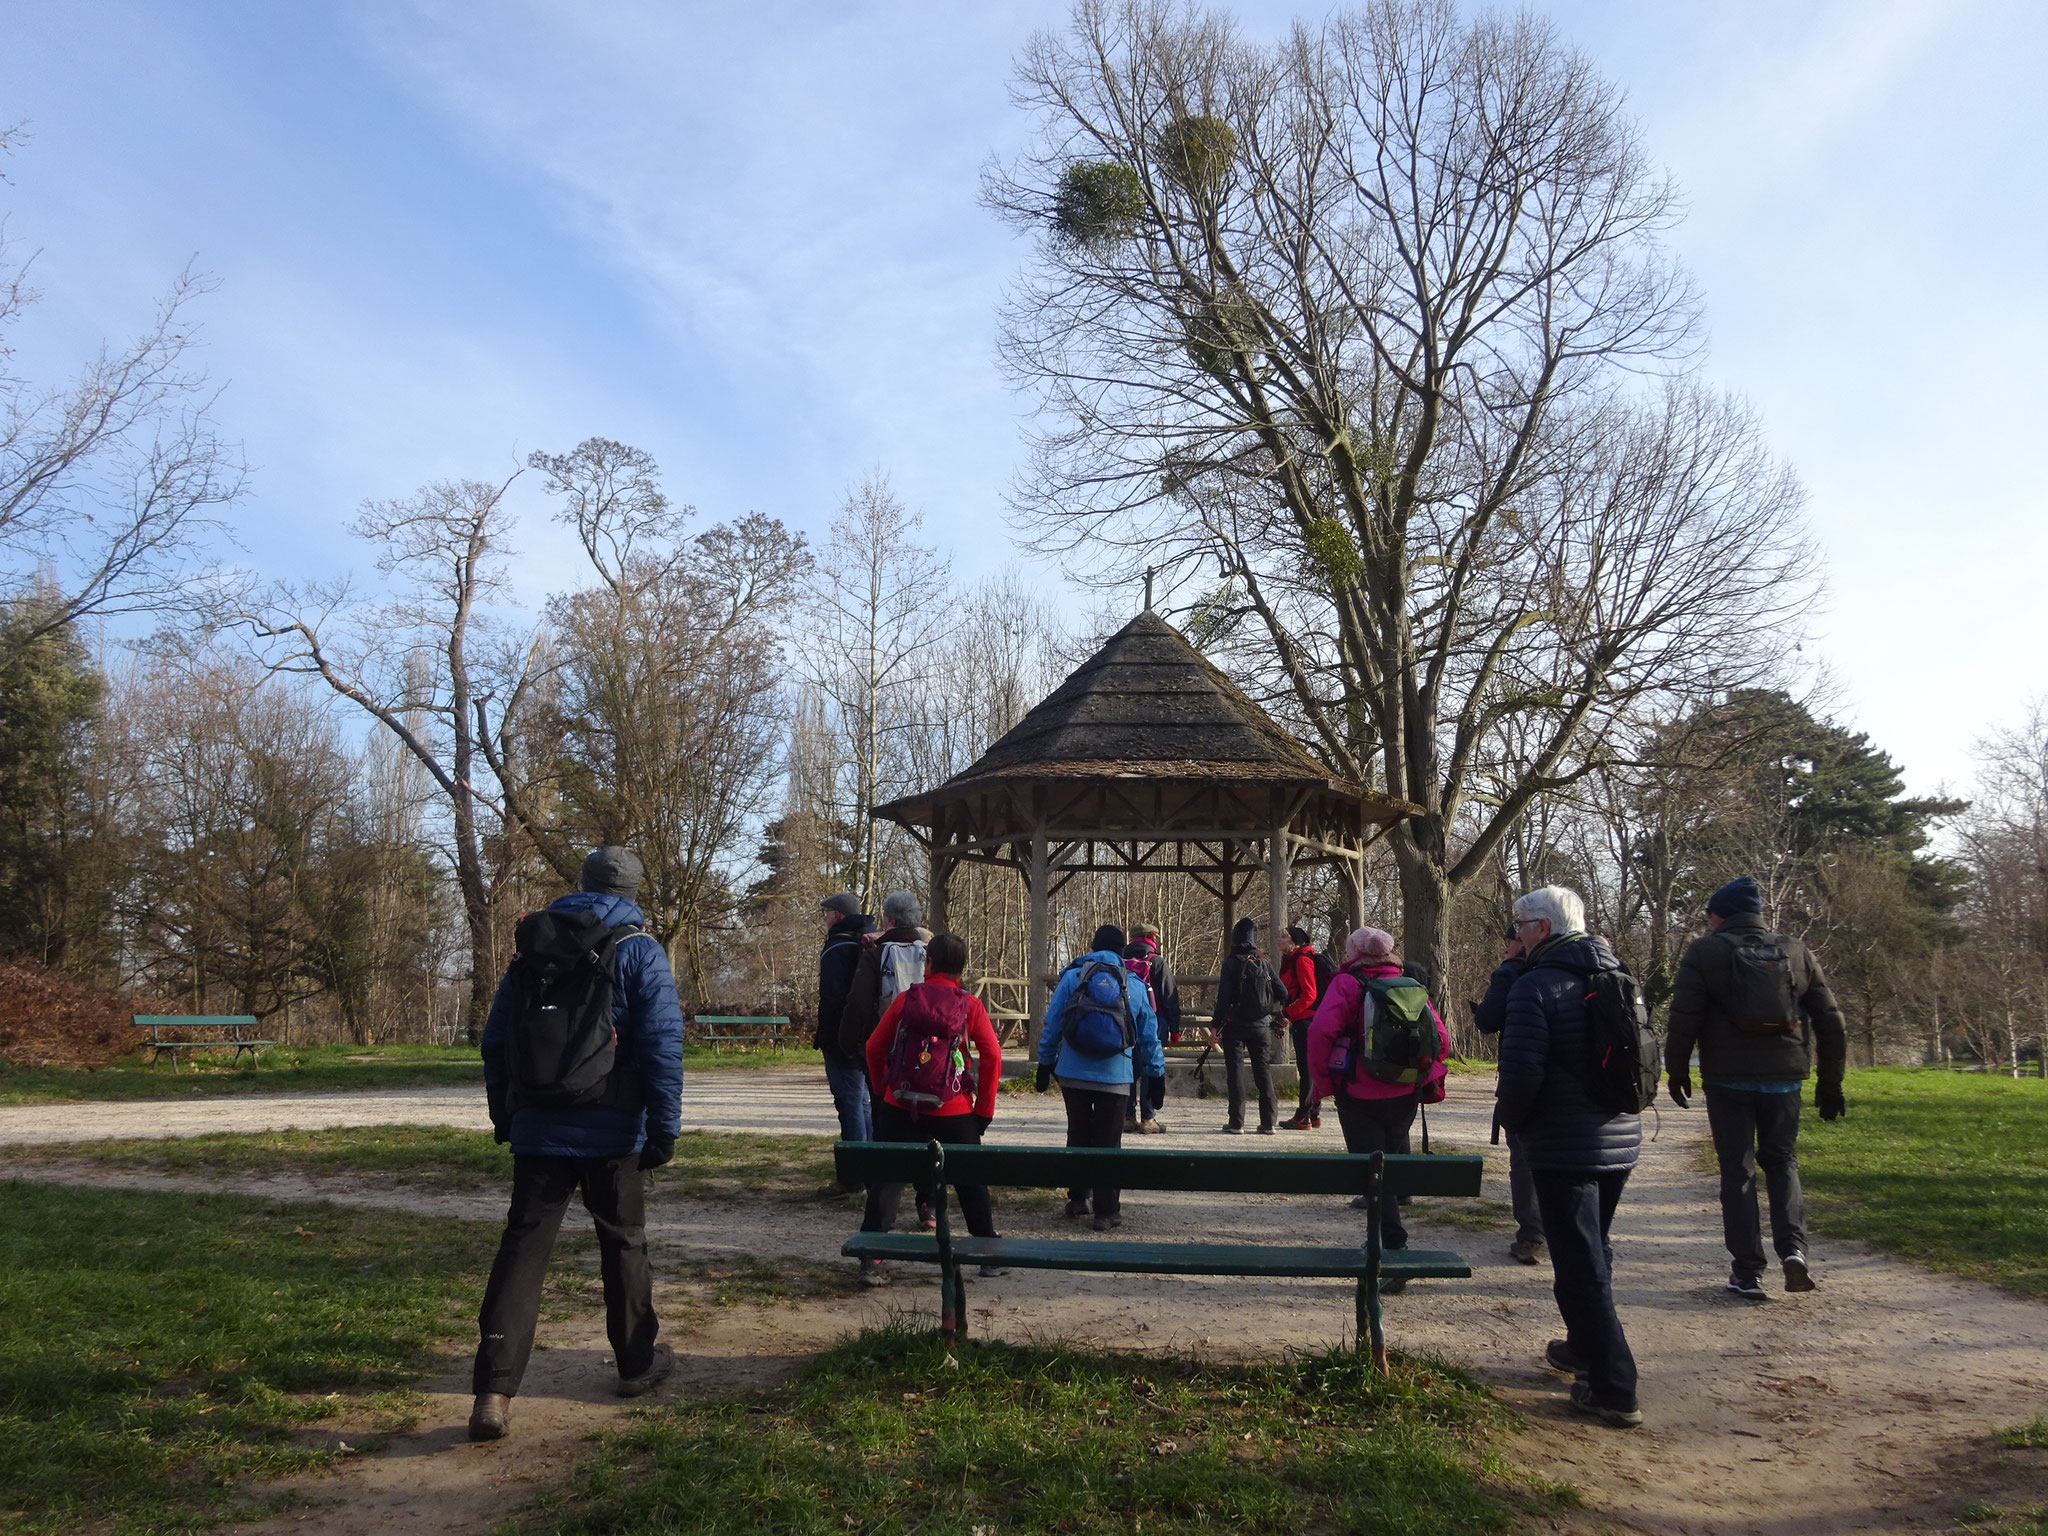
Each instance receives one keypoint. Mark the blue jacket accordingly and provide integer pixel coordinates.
(650, 1025)
(836, 963)
(1110, 1071)
(1546, 1047)
(1491, 1016)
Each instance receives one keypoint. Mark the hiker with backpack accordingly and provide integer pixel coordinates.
(583, 1072)
(1489, 1017)
(846, 1076)
(1758, 1006)
(1376, 1050)
(1249, 998)
(1142, 1116)
(918, 1063)
(1099, 1032)
(1306, 973)
(1578, 1064)
(891, 961)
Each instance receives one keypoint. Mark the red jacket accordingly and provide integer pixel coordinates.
(1298, 976)
(981, 1040)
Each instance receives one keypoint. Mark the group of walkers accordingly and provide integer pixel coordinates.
(583, 1069)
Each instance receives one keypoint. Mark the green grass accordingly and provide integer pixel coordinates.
(888, 1433)
(1948, 1169)
(316, 1068)
(2031, 1436)
(155, 1350)
(707, 1163)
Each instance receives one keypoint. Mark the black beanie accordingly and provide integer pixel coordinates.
(1109, 937)
(1246, 934)
(1738, 896)
(1300, 937)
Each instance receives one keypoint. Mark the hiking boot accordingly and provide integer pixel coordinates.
(1315, 1122)
(1559, 1355)
(1748, 1287)
(1525, 1253)
(926, 1221)
(1108, 1223)
(1361, 1202)
(835, 1191)
(994, 1271)
(1797, 1276)
(489, 1419)
(1585, 1402)
(1233, 1130)
(872, 1274)
(1151, 1127)
(1265, 1130)
(1298, 1123)
(1131, 1128)
(656, 1373)
(1076, 1209)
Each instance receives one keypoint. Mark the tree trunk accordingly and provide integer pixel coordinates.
(1426, 896)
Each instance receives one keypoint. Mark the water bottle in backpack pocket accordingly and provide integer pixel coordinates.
(1097, 1021)
(928, 1057)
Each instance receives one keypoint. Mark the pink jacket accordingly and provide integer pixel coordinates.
(1338, 1014)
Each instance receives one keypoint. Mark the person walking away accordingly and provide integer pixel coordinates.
(1581, 1151)
(1757, 1004)
(1377, 1050)
(1489, 1014)
(1306, 973)
(890, 962)
(1142, 1114)
(1098, 1033)
(583, 1073)
(845, 1075)
(1248, 1000)
(1166, 1006)
(918, 1065)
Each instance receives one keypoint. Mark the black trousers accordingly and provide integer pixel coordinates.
(895, 1124)
(1522, 1193)
(1095, 1118)
(1147, 1095)
(614, 1192)
(1379, 1125)
(1751, 1128)
(1578, 1210)
(1242, 1042)
(1306, 1105)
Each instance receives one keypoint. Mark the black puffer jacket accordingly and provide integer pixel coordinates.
(1545, 1052)
(836, 964)
(1491, 1016)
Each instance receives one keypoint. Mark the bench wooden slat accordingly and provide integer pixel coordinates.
(705, 1018)
(1143, 1258)
(195, 1020)
(1272, 1173)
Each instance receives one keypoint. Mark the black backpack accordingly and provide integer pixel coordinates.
(1763, 993)
(1326, 972)
(1259, 992)
(1626, 1061)
(563, 1044)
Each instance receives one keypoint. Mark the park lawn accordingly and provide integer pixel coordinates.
(158, 1350)
(891, 1433)
(317, 1068)
(1949, 1169)
(707, 1163)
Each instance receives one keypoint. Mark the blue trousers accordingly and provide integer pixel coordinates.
(1578, 1210)
(848, 1080)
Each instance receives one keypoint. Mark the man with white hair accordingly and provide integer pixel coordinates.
(1579, 1152)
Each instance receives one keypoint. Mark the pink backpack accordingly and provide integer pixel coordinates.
(1141, 967)
(928, 1058)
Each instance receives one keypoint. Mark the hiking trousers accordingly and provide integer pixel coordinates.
(1578, 1211)
(614, 1192)
(1253, 1041)
(1306, 1105)
(848, 1080)
(1379, 1125)
(1750, 1128)
(896, 1124)
(1095, 1118)
(1522, 1193)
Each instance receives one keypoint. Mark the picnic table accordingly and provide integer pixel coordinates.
(237, 1040)
(1338, 1173)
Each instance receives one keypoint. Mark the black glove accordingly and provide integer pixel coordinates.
(1044, 1079)
(1827, 1098)
(1681, 1088)
(500, 1135)
(981, 1123)
(1158, 1085)
(656, 1152)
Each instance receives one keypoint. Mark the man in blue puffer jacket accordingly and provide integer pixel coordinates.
(600, 1149)
(1097, 1089)
(1579, 1153)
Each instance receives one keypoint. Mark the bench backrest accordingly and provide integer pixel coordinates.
(1260, 1173)
(195, 1020)
(707, 1018)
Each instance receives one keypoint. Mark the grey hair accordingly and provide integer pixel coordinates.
(1556, 905)
(900, 910)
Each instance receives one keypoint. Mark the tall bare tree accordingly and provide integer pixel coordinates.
(1369, 322)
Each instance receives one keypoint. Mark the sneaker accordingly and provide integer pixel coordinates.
(1298, 1123)
(1108, 1223)
(1526, 1253)
(489, 1419)
(1586, 1403)
(1797, 1276)
(1559, 1355)
(1076, 1209)
(835, 1191)
(1233, 1130)
(1748, 1288)
(1151, 1128)
(656, 1373)
(1361, 1202)
(872, 1274)
(1316, 1123)
(1265, 1130)
(994, 1271)
(926, 1221)
(1131, 1128)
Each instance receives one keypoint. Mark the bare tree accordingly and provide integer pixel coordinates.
(1368, 323)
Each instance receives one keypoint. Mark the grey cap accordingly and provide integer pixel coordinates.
(613, 871)
(841, 902)
(900, 910)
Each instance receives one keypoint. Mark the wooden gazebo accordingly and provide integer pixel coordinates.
(1147, 760)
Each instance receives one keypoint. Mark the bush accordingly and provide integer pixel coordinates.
(50, 1019)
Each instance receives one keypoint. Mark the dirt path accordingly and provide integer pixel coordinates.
(1862, 1407)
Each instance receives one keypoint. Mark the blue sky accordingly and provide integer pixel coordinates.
(747, 239)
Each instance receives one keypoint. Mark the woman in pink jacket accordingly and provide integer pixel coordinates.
(1376, 1116)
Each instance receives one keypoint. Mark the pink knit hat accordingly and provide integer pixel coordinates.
(1369, 944)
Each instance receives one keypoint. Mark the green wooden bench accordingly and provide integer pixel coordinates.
(770, 1034)
(236, 1024)
(1263, 1173)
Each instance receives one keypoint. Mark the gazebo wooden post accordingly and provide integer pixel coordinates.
(1351, 875)
(1226, 864)
(1037, 959)
(1276, 882)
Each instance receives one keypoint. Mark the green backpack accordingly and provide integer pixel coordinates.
(1401, 1041)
